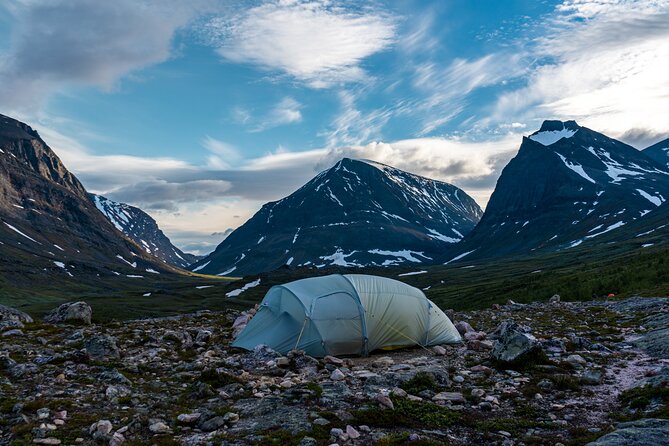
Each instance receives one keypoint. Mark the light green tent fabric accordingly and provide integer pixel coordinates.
(350, 314)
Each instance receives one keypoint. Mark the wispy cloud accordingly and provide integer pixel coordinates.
(317, 42)
(286, 111)
(602, 62)
(61, 43)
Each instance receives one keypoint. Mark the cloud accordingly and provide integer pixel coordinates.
(165, 195)
(286, 111)
(601, 62)
(351, 126)
(316, 42)
(55, 44)
(473, 166)
(223, 155)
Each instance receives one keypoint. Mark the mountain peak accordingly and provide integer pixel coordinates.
(555, 125)
(553, 131)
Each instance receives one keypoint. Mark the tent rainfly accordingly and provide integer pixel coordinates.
(350, 314)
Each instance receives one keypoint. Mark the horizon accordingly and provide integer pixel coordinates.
(228, 105)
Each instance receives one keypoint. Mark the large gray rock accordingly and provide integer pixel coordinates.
(70, 312)
(12, 314)
(637, 433)
(102, 347)
(513, 343)
(656, 340)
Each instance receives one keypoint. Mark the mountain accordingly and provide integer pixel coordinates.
(659, 152)
(357, 213)
(48, 226)
(567, 185)
(143, 230)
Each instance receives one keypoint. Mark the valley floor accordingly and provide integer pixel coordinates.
(176, 381)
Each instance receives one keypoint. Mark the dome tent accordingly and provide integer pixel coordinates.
(350, 314)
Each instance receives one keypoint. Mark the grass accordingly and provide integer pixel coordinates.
(638, 400)
(420, 382)
(407, 413)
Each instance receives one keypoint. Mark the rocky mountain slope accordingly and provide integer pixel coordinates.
(659, 152)
(143, 230)
(566, 186)
(540, 374)
(49, 229)
(354, 214)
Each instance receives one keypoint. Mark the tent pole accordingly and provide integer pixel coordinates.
(301, 331)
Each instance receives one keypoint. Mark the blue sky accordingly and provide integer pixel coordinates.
(199, 113)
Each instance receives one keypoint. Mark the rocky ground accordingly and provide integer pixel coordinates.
(540, 374)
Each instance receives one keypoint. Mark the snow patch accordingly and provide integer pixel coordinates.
(551, 137)
(413, 273)
(204, 265)
(657, 201)
(237, 292)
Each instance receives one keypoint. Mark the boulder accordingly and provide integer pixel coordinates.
(637, 433)
(513, 343)
(70, 312)
(102, 347)
(12, 314)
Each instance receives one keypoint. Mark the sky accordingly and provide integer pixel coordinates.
(199, 112)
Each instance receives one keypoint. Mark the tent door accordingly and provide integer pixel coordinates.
(339, 322)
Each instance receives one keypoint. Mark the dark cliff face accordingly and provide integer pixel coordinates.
(46, 218)
(567, 185)
(357, 213)
(143, 230)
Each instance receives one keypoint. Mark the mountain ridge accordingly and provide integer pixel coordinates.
(416, 216)
(143, 230)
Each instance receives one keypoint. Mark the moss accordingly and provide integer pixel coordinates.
(316, 388)
(420, 382)
(407, 413)
(217, 379)
(639, 399)
(513, 425)
(400, 439)
(565, 382)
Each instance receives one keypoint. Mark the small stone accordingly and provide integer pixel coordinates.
(43, 413)
(51, 441)
(283, 361)
(383, 361)
(337, 375)
(286, 384)
(554, 299)
(459, 379)
(100, 429)
(398, 392)
(189, 418)
(463, 327)
(439, 350)
(384, 401)
(321, 422)
(352, 432)
(333, 360)
(451, 397)
(117, 439)
(160, 428)
(230, 418)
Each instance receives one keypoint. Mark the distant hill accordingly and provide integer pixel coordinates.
(143, 229)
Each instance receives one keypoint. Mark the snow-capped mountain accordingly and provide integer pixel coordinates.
(659, 152)
(566, 186)
(143, 229)
(48, 226)
(357, 213)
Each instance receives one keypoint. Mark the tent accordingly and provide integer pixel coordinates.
(350, 314)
